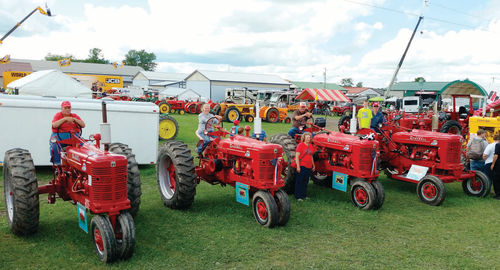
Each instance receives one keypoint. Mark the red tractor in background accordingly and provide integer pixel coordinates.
(105, 183)
(194, 107)
(249, 165)
(172, 106)
(347, 159)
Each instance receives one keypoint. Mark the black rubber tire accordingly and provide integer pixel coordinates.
(283, 204)
(182, 195)
(133, 176)
(249, 118)
(164, 107)
(181, 112)
(321, 180)
(191, 108)
(109, 251)
(380, 193)
(216, 109)
(341, 122)
(485, 185)
(435, 183)
(272, 110)
(125, 228)
(171, 119)
(289, 145)
(360, 185)
(228, 111)
(271, 209)
(287, 120)
(21, 192)
(449, 125)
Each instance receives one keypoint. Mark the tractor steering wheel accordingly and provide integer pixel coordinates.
(209, 125)
(78, 131)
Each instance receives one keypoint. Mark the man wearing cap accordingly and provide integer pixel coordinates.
(299, 119)
(63, 123)
(378, 118)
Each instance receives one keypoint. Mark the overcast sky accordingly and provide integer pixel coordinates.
(295, 39)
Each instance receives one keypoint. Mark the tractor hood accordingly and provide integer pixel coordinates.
(341, 141)
(90, 157)
(251, 148)
(422, 137)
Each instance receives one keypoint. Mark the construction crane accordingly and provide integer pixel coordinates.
(47, 13)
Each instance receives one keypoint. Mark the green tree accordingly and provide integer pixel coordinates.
(95, 56)
(420, 79)
(359, 84)
(141, 58)
(57, 57)
(346, 82)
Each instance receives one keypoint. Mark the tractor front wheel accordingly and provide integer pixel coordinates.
(21, 192)
(265, 209)
(103, 238)
(181, 112)
(345, 121)
(176, 175)
(478, 186)
(321, 179)
(379, 190)
(249, 118)
(168, 127)
(283, 204)
(363, 194)
(287, 120)
(431, 190)
(125, 235)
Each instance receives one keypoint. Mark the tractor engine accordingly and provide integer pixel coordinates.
(242, 159)
(346, 154)
(94, 178)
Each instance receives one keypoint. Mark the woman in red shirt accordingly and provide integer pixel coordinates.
(304, 159)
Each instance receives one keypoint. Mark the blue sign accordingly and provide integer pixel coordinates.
(242, 194)
(339, 181)
(82, 217)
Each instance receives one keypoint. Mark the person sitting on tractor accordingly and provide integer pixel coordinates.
(234, 129)
(63, 124)
(377, 119)
(202, 122)
(364, 115)
(299, 119)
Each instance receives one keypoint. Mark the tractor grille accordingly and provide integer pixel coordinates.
(109, 184)
(453, 152)
(266, 156)
(365, 159)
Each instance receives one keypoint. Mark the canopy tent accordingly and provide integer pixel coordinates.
(50, 83)
(495, 105)
(322, 95)
(179, 93)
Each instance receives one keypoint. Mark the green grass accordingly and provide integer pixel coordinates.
(325, 232)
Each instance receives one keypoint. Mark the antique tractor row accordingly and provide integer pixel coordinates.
(253, 167)
(105, 183)
(231, 112)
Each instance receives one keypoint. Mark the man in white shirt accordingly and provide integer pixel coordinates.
(488, 154)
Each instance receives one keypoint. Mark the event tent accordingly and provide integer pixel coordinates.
(179, 93)
(322, 95)
(50, 83)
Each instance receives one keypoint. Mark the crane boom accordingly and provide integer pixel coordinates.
(47, 13)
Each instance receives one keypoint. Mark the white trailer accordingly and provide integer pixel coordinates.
(25, 122)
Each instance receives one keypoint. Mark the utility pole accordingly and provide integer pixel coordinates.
(324, 79)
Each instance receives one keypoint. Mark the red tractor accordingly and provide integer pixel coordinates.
(251, 166)
(172, 106)
(105, 183)
(428, 159)
(347, 159)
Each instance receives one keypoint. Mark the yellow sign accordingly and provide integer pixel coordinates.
(64, 62)
(10, 76)
(116, 65)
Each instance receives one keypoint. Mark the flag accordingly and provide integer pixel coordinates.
(493, 96)
(5, 59)
(64, 62)
(115, 65)
(316, 96)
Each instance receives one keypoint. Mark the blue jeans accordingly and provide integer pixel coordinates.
(476, 165)
(206, 141)
(55, 148)
(294, 131)
(301, 181)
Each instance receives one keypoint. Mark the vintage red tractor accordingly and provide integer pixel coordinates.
(339, 159)
(251, 166)
(172, 106)
(105, 183)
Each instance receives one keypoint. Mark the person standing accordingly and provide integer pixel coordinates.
(488, 154)
(495, 167)
(299, 119)
(305, 165)
(364, 116)
(377, 119)
(475, 150)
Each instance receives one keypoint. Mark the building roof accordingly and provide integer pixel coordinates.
(240, 77)
(418, 86)
(319, 85)
(82, 68)
(443, 88)
(163, 76)
(355, 90)
(15, 66)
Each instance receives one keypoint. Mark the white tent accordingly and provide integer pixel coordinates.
(50, 83)
(180, 93)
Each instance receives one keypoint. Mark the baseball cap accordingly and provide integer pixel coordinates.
(65, 104)
(302, 105)
(236, 122)
(375, 104)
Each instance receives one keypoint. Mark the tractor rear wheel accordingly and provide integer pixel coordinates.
(103, 238)
(478, 187)
(164, 107)
(168, 127)
(283, 204)
(176, 175)
(321, 179)
(192, 108)
(125, 235)
(431, 190)
(21, 192)
(232, 114)
(133, 176)
(345, 121)
(379, 190)
(289, 145)
(451, 126)
(363, 194)
(272, 115)
(265, 209)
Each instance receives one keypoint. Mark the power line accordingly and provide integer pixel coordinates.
(458, 11)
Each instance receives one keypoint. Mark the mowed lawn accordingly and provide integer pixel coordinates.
(324, 232)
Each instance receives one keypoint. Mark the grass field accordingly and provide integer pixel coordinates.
(324, 232)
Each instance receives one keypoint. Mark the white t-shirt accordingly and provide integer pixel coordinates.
(490, 152)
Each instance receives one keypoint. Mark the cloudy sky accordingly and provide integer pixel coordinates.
(295, 39)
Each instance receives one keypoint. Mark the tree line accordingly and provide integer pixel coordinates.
(132, 58)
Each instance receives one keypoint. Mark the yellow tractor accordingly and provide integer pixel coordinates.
(232, 111)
